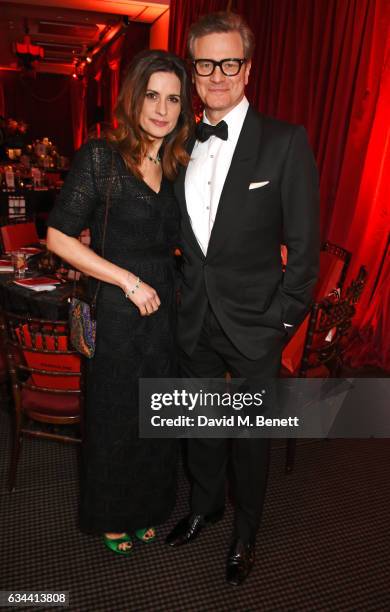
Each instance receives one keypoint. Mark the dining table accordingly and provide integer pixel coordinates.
(43, 304)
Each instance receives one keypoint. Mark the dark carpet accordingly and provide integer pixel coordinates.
(324, 543)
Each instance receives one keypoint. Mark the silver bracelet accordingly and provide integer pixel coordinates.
(128, 294)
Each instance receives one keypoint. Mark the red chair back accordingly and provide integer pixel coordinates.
(18, 235)
(46, 350)
(40, 348)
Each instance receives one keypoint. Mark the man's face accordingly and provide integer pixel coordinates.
(220, 93)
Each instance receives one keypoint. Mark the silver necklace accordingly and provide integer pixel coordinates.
(155, 160)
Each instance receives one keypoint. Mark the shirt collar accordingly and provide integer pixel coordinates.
(234, 119)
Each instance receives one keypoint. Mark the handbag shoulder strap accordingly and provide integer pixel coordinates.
(107, 206)
(106, 209)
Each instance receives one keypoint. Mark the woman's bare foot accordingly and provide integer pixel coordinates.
(146, 535)
(149, 534)
(123, 546)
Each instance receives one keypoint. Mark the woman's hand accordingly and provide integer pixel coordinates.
(144, 297)
(84, 259)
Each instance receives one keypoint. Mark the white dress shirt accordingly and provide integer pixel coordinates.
(207, 172)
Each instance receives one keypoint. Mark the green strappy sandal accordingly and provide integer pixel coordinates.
(113, 544)
(141, 535)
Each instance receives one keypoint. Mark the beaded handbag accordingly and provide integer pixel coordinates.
(82, 314)
(82, 326)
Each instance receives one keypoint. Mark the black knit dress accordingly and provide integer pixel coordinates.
(126, 482)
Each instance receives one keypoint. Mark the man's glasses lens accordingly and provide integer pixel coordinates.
(229, 67)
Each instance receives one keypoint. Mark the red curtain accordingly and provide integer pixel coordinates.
(323, 64)
(182, 14)
(361, 216)
(318, 64)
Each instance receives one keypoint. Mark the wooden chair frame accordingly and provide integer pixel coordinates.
(332, 319)
(18, 343)
(340, 253)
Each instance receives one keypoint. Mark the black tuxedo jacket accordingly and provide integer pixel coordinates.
(241, 275)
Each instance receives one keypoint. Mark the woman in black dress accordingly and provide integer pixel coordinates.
(127, 483)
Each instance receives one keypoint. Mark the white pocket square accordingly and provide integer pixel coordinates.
(257, 185)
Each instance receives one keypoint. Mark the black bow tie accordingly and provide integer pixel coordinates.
(205, 130)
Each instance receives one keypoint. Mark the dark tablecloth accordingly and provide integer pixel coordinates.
(52, 305)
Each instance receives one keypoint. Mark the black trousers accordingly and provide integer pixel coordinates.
(214, 355)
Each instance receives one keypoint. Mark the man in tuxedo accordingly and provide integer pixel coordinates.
(250, 186)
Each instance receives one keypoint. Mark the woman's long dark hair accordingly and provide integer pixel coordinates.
(129, 138)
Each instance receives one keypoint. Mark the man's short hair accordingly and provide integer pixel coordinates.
(222, 21)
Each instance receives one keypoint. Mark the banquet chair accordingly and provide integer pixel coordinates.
(17, 235)
(46, 377)
(334, 263)
(326, 339)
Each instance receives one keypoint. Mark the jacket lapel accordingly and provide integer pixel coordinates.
(181, 197)
(237, 181)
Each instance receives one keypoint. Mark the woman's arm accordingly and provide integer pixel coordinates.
(84, 259)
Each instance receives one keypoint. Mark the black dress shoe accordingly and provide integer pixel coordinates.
(190, 527)
(240, 562)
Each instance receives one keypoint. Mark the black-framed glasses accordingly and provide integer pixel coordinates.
(229, 67)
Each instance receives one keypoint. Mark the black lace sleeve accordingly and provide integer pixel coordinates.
(79, 197)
